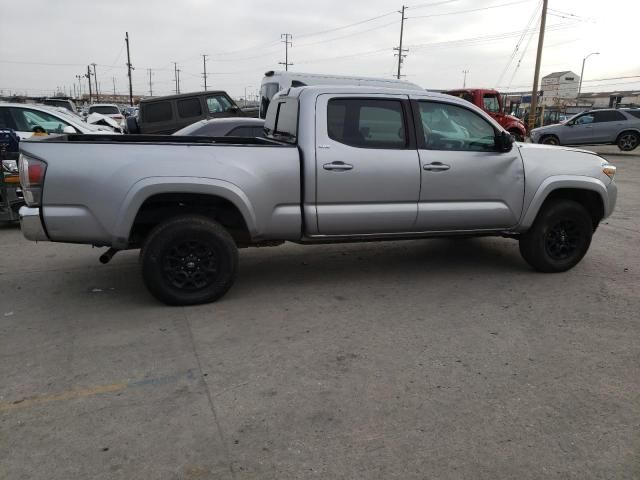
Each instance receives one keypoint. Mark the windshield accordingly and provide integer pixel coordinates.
(267, 91)
(105, 110)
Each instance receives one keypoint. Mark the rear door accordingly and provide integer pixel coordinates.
(607, 124)
(466, 183)
(367, 165)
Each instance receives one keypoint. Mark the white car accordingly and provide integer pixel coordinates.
(28, 120)
(110, 110)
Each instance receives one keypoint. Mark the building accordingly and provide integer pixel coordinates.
(558, 88)
(625, 98)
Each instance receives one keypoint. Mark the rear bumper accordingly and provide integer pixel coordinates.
(31, 224)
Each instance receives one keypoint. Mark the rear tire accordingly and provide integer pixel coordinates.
(559, 238)
(628, 141)
(550, 140)
(189, 260)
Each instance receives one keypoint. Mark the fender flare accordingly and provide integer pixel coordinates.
(150, 186)
(557, 182)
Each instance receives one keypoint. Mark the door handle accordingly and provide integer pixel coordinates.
(436, 167)
(337, 166)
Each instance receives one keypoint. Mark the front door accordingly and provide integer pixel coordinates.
(466, 183)
(367, 165)
(578, 131)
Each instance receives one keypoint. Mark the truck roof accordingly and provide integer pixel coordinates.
(183, 95)
(318, 89)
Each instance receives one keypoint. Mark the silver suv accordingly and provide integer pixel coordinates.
(607, 126)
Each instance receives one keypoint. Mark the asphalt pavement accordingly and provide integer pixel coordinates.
(438, 359)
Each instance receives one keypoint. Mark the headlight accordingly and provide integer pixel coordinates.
(10, 166)
(609, 170)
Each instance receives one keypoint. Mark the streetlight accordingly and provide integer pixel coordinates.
(582, 72)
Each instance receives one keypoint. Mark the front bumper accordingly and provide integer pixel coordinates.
(31, 224)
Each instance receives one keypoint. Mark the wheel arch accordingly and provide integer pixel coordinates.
(589, 192)
(197, 194)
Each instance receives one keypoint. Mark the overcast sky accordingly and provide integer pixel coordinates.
(47, 43)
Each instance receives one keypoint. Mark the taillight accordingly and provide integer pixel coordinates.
(31, 178)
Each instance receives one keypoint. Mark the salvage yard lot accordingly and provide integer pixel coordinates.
(412, 359)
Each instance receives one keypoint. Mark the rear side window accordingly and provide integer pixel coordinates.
(157, 112)
(5, 119)
(282, 119)
(367, 123)
(189, 107)
(634, 113)
(607, 116)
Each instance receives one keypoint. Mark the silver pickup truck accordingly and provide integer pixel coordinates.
(337, 164)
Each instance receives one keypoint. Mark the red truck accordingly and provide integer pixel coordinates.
(491, 102)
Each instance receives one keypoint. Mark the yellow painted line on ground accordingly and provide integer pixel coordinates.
(68, 395)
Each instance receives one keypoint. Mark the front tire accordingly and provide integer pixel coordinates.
(189, 260)
(559, 238)
(628, 141)
(550, 140)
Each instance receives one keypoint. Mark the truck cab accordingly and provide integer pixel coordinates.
(491, 102)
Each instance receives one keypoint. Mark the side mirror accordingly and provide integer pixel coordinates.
(69, 129)
(234, 109)
(504, 142)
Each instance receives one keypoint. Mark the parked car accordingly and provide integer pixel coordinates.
(619, 127)
(111, 110)
(337, 164)
(62, 102)
(165, 115)
(28, 120)
(225, 127)
(491, 102)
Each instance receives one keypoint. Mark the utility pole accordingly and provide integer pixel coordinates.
(204, 70)
(464, 81)
(95, 79)
(79, 78)
(178, 71)
(286, 38)
(401, 51)
(88, 75)
(150, 88)
(175, 74)
(114, 86)
(129, 68)
(536, 75)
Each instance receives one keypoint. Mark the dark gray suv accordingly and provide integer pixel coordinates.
(607, 126)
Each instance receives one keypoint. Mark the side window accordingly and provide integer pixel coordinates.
(218, 104)
(367, 123)
(634, 113)
(451, 127)
(157, 112)
(584, 119)
(37, 121)
(490, 103)
(189, 107)
(5, 119)
(608, 116)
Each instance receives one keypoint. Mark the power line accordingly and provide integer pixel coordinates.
(468, 11)
(379, 27)
(322, 32)
(518, 43)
